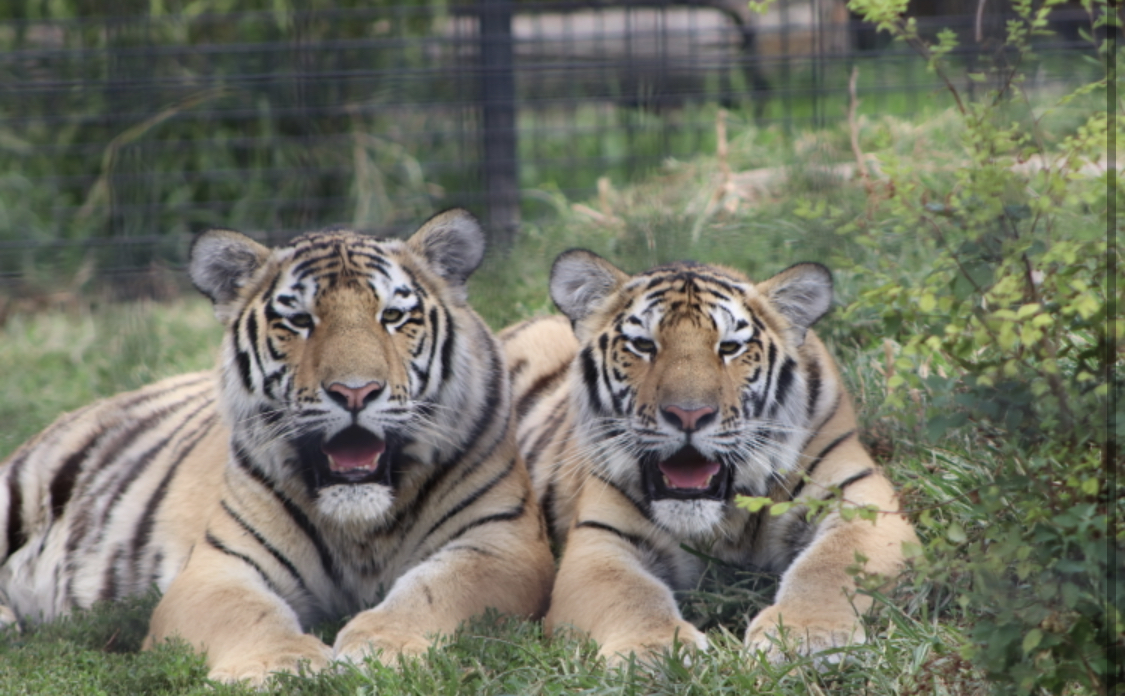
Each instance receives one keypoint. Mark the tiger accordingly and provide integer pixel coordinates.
(352, 457)
(648, 407)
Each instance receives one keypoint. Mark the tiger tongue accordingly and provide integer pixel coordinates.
(351, 450)
(688, 471)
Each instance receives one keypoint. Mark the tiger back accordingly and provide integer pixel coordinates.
(352, 456)
(650, 406)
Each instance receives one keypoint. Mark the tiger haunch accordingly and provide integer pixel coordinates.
(666, 395)
(353, 455)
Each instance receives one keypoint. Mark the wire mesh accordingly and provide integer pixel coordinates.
(122, 135)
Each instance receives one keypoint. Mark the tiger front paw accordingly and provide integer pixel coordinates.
(652, 646)
(300, 654)
(779, 633)
(366, 636)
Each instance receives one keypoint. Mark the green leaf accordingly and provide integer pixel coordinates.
(1031, 640)
(956, 533)
(752, 503)
(778, 509)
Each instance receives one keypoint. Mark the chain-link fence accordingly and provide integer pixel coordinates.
(120, 135)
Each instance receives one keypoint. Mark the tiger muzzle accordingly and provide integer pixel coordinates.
(686, 475)
(355, 455)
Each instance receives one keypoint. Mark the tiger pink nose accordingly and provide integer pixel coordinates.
(354, 398)
(688, 420)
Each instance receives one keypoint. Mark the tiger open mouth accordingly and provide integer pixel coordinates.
(355, 455)
(686, 475)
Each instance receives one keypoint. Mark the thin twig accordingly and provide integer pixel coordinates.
(102, 187)
(980, 22)
(853, 126)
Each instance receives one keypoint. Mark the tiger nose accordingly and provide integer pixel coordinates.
(688, 420)
(354, 398)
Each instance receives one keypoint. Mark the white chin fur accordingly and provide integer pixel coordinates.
(688, 519)
(348, 503)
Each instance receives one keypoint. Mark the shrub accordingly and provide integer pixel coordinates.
(1011, 334)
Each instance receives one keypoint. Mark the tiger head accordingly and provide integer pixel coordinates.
(691, 383)
(338, 355)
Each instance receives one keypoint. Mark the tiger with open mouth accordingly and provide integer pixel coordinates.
(650, 406)
(353, 456)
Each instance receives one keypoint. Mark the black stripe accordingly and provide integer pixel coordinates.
(110, 579)
(633, 539)
(784, 382)
(590, 378)
(854, 478)
(270, 288)
(813, 432)
(816, 462)
(243, 361)
(63, 482)
(517, 368)
(471, 498)
(545, 383)
(798, 535)
(295, 513)
(550, 427)
(445, 354)
(301, 268)
(642, 508)
(511, 332)
(219, 546)
(513, 514)
(813, 376)
(446, 346)
(467, 547)
(143, 534)
(491, 398)
(16, 535)
(274, 551)
(141, 463)
(771, 358)
(547, 506)
(122, 440)
(252, 329)
(603, 346)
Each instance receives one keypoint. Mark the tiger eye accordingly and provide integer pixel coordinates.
(729, 347)
(391, 315)
(301, 321)
(643, 345)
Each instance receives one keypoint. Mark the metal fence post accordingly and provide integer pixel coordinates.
(498, 99)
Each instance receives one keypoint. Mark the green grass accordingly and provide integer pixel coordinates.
(58, 360)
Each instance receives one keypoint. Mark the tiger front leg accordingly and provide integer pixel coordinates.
(817, 607)
(222, 606)
(511, 575)
(604, 589)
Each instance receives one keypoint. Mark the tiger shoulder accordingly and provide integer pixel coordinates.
(650, 406)
(352, 457)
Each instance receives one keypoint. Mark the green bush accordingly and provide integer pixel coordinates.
(1012, 328)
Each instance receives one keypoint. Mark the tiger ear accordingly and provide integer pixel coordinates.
(802, 293)
(452, 243)
(580, 279)
(221, 263)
